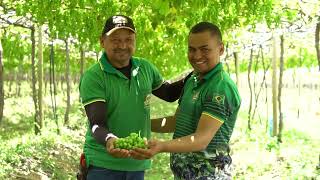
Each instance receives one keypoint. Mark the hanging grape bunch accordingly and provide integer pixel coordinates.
(132, 141)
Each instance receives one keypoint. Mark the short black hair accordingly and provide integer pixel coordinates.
(206, 26)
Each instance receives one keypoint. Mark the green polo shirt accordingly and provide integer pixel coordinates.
(216, 95)
(127, 106)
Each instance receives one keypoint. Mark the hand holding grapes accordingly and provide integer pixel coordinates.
(133, 146)
(121, 147)
(154, 147)
(130, 142)
(116, 152)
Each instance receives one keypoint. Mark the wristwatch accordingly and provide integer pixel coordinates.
(110, 135)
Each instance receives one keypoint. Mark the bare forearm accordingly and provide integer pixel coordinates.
(163, 125)
(198, 141)
(190, 143)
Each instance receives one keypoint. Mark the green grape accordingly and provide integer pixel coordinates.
(132, 141)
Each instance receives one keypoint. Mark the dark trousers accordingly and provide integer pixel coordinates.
(98, 173)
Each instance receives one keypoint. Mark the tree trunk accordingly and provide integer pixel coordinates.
(226, 58)
(81, 61)
(1, 84)
(266, 87)
(40, 79)
(66, 115)
(236, 64)
(257, 95)
(274, 89)
(317, 41)
(45, 77)
(81, 65)
(250, 88)
(255, 68)
(19, 79)
(34, 81)
(53, 87)
(10, 86)
(280, 88)
(61, 83)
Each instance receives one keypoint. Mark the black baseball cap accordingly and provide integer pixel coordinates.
(118, 22)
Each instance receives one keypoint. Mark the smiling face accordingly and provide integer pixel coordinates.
(119, 46)
(204, 51)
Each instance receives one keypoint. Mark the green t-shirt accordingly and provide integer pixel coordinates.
(127, 106)
(216, 95)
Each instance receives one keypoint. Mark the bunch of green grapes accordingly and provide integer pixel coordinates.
(130, 142)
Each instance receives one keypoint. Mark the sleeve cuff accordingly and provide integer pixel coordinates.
(213, 116)
(92, 101)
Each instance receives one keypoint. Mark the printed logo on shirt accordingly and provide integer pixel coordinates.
(195, 96)
(218, 98)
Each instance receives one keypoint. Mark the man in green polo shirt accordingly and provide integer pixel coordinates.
(206, 115)
(116, 93)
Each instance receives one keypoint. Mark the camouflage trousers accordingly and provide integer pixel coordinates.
(194, 166)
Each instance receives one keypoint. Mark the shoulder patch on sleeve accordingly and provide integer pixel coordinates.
(218, 98)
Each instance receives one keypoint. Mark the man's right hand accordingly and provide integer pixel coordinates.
(154, 147)
(115, 152)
